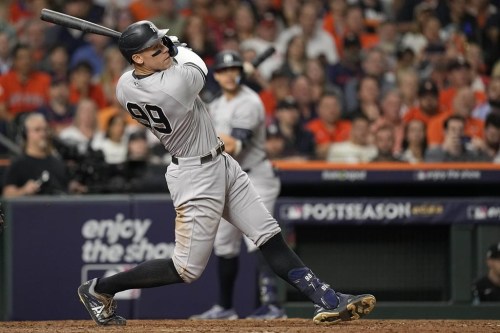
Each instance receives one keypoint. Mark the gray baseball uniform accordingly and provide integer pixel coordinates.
(245, 111)
(204, 184)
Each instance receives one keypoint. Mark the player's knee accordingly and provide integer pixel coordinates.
(189, 276)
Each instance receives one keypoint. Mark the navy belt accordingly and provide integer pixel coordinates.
(205, 158)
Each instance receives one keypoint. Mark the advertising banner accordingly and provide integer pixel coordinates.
(438, 176)
(388, 211)
(56, 244)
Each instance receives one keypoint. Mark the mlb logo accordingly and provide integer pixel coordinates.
(477, 212)
(291, 212)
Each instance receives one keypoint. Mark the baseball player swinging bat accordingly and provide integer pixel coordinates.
(77, 23)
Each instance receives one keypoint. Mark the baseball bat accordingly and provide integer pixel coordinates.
(77, 23)
(263, 56)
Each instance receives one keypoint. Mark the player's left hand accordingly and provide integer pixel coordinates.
(169, 43)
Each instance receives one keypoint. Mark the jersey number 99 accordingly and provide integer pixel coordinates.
(153, 117)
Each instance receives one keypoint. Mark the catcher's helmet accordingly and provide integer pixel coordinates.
(139, 36)
(227, 59)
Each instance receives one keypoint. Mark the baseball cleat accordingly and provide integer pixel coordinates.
(351, 307)
(101, 307)
(216, 312)
(268, 311)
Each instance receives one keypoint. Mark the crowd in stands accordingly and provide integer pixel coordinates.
(351, 81)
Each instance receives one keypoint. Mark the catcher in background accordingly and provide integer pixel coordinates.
(205, 183)
(239, 120)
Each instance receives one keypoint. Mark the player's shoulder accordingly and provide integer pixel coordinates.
(126, 77)
(250, 95)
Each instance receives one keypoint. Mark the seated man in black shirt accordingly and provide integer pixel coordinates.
(487, 288)
(37, 170)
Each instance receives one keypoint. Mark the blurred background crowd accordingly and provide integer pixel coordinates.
(351, 81)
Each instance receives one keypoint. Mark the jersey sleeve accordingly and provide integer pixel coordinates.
(188, 78)
(247, 115)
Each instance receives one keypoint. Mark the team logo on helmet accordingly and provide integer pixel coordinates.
(227, 58)
(153, 27)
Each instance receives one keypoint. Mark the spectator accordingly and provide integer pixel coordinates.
(315, 71)
(58, 112)
(428, 103)
(415, 142)
(433, 43)
(295, 60)
(479, 78)
(84, 132)
(388, 40)
(196, 36)
(114, 65)
(266, 34)
(81, 85)
(6, 20)
(114, 144)
(490, 41)
(492, 104)
(368, 96)
(407, 84)
(72, 39)
(459, 76)
(168, 16)
(277, 89)
(490, 143)
(245, 22)
(56, 64)
(290, 10)
(286, 138)
(5, 52)
(220, 23)
(463, 105)
(390, 107)
(302, 93)
(334, 23)
(357, 149)
(22, 11)
(93, 53)
(319, 42)
(487, 288)
(384, 142)
(37, 171)
(373, 13)
(414, 35)
(23, 89)
(349, 65)
(144, 9)
(374, 64)
(34, 37)
(461, 22)
(453, 148)
(328, 128)
(405, 60)
(355, 24)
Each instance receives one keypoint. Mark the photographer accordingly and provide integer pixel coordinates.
(37, 170)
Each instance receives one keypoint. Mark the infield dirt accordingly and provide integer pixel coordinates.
(254, 326)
